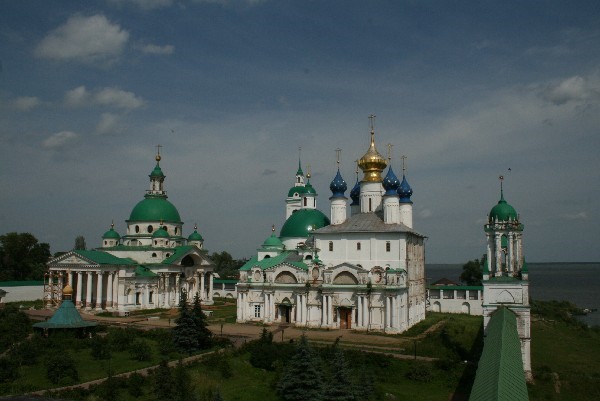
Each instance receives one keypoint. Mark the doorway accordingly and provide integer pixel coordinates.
(285, 311)
(345, 318)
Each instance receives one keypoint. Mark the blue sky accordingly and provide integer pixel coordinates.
(231, 89)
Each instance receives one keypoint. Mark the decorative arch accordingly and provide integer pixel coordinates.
(286, 277)
(345, 277)
(466, 308)
(436, 307)
(505, 297)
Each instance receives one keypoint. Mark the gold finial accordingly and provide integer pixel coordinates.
(158, 153)
(403, 163)
(112, 224)
(273, 228)
(195, 226)
(389, 152)
(338, 152)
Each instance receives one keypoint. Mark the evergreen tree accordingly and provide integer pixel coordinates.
(301, 379)
(263, 352)
(204, 335)
(339, 384)
(80, 243)
(183, 389)
(472, 273)
(184, 333)
(164, 384)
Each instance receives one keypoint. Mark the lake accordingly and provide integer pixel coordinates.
(575, 282)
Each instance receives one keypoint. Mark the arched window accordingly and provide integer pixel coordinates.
(388, 246)
(150, 229)
(305, 201)
(137, 229)
(370, 205)
(330, 246)
(358, 246)
(153, 254)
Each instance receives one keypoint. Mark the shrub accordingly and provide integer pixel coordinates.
(100, 348)
(140, 350)
(60, 368)
(9, 371)
(420, 372)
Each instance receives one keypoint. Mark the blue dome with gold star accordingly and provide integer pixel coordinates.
(405, 191)
(338, 186)
(391, 183)
(355, 193)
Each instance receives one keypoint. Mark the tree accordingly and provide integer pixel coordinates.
(61, 368)
(301, 379)
(22, 257)
(263, 352)
(339, 385)
(184, 332)
(225, 265)
(163, 382)
(140, 350)
(472, 273)
(183, 387)
(204, 335)
(80, 243)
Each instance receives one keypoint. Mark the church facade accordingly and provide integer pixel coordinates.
(360, 270)
(146, 268)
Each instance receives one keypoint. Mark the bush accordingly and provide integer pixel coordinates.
(9, 371)
(61, 369)
(100, 348)
(136, 384)
(140, 350)
(121, 339)
(420, 372)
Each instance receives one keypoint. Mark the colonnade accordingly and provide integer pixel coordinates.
(92, 289)
(504, 259)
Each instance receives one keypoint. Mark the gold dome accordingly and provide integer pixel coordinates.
(67, 290)
(372, 163)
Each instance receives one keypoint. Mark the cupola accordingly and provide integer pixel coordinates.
(372, 163)
(391, 183)
(111, 237)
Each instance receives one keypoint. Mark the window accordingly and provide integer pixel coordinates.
(305, 201)
(150, 229)
(137, 229)
(358, 246)
(370, 205)
(175, 230)
(256, 310)
(150, 297)
(388, 246)
(153, 254)
(330, 246)
(105, 242)
(155, 242)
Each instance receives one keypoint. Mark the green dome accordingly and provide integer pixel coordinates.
(155, 208)
(272, 242)
(302, 222)
(309, 189)
(111, 234)
(503, 212)
(160, 233)
(293, 190)
(195, 236)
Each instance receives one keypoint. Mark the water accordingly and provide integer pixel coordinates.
(578, 283)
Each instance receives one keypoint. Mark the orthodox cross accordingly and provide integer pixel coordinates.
(389, 147)
(372, 121)
(403, 163)
(338, 151)
(158, 149)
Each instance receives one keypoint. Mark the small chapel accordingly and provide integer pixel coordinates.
(361, 268)
(147, 267)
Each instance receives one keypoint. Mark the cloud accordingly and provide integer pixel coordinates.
(107, 124)
(145, 4)
(84, 39)
(576, 216)
(59, 140)
(113, 97)
(571, 89)
(156, 49)
(26, 103)
(268, 172)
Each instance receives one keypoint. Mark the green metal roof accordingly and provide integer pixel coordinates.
(21, 283)
(143, 271)
(103, 258)
(178, 252)
(267, 263)
(155, 208)
(111, 234)
(500, 375)
(157, 172)
(302, 222)
(160, 233)
(456, 287)
(65, 317)
(300, 190)
(503, 211)
(195, 236)
(272, 242)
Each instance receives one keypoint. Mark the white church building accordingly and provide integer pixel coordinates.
(146, 268)
(362, 268)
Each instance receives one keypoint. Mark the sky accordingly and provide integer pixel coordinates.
(466, 90)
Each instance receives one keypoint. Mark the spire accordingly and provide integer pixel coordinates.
(299, 172)
(501, 178)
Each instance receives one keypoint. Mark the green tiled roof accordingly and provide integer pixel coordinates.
(178, 252)
(143, 271)
(20, 283)
(500, 375)
(504, 279)
(273, 261)
(65, 317)
(455, 287)
(225, 281)
(103, 258)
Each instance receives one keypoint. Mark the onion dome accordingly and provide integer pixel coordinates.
(195, 236)
(155, 208)
(300, 190)
(111, 234)
(405, 191)
(338, 186)
(67, 290)
(302, 222)
(273, 242)
(161, 233)
(372, 163)
(157, 172)
(308, 189)
(391, 183)
(355, 193)
(503, 211)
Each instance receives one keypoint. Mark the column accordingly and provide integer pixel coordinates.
(498, 255)
(399, 321)
(210, 286)
(167, 290)
(109, 290)
(198, 287)
(511, 258)
(359, 311)
(99, 291)
(70, 278)
(79, 293)
(115, 293)
(88, 294)
(387, 312)
(60, 283)
(324, 309)
(203, 293)
(177, 290)
(366, 315)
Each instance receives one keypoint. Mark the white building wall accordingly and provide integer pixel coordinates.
(23, 293)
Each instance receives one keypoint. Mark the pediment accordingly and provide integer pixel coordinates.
(346, 266)
(285, 266)
(72, 258)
